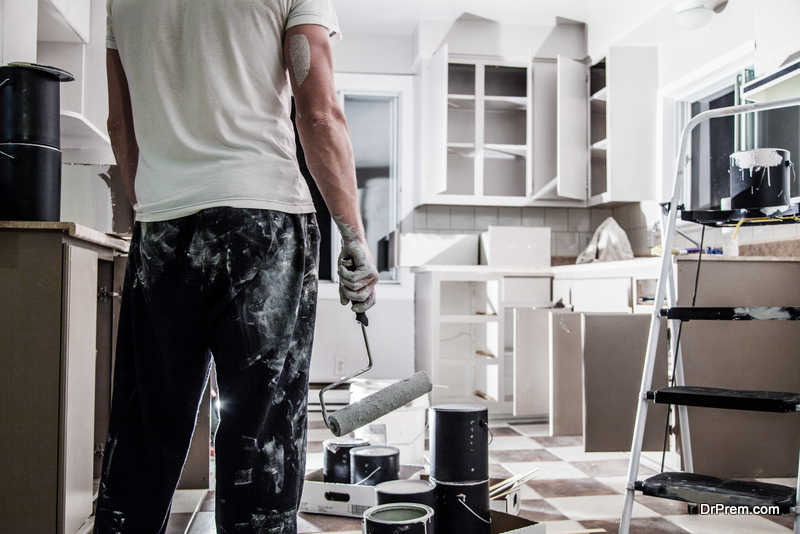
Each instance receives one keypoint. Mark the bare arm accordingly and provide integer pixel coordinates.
(120, 123)
(329, 154)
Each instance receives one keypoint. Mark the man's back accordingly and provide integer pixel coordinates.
(211, 101)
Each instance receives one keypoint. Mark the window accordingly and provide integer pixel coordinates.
(713, 141)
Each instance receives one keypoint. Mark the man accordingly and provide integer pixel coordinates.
(223, 259)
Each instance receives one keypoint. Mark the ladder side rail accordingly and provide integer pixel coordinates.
(667, 240)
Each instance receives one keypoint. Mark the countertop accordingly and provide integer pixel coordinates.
(74, 230)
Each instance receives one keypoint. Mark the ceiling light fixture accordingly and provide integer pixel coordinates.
(693, 14)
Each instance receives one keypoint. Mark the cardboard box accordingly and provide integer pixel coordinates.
(345, 500)
(507, 524)
(515, 246)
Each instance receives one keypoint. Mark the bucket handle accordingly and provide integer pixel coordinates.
(8, 155)
(7, 81)
(462, 498)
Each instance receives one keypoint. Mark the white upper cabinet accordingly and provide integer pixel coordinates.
(623, 132)
(476, 132)
(64, 20)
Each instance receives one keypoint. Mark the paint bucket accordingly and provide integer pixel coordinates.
(30, 182)
(369, 466)
(459, 443)
(403, 428)
(336, 458)
(414, 491)
(408, 518)
(760, 178)
(462, 508)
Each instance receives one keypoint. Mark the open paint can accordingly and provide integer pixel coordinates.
(369, 466)
(462, 508)
(415, 491)
(459, 443)
(760, 178)
(406, 518)
(336, 458)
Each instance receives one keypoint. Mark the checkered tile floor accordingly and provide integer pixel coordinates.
(573, 490)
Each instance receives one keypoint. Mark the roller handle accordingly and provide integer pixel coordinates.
(350, 265)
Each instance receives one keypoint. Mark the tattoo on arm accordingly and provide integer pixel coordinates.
(300, 55)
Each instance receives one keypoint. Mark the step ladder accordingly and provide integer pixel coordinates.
(688, 486)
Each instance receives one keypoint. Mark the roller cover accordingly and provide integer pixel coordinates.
(379, 404)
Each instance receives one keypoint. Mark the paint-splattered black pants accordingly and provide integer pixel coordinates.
(241, 285)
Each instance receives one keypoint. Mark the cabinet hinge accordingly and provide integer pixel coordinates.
(103, 293)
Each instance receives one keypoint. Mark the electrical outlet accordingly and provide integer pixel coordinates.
(339, 365)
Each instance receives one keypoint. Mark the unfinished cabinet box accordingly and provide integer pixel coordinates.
(460, 327)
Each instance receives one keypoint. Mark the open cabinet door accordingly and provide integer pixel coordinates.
(572, 109)
(436, 149)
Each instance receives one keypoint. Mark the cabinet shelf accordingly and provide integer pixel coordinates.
(503, 103)
(600, 145)
(468, 318)
(601, 95)
(461, 101)
(504, 151)
(474, 360)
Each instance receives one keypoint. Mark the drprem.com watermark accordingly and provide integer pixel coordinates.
(721, 509)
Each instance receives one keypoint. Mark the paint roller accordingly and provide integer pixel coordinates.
(380, 403)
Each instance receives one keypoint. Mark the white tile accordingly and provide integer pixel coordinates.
(577, 454)
(557, 219)
(314, 461)
(744, 235)
(785, 231)
(420, 218)
(567, 243)
(485, 217)
(580, 220)
(615, 483)
(763, 233)
(533, 217)
(512, 443)
(540, 429)
(597, 507)
(187, 501)
(553, 527)
(509, 217)
(462, 217)
(729, 524)
(438, 217)
(599, 215)
(528, 493)
(319, 434)
(547, 470)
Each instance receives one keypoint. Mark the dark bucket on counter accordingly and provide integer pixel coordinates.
(30, 100)
(30, 183)
(760, 178)
(459, 443)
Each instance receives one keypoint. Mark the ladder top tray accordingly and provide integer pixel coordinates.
(731, 399)
(745, 217)
(704, 489)
(736, 313)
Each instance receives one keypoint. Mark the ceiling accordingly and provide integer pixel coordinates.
(401, 16)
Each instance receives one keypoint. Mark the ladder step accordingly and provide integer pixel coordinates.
(738, 313)
(704, 489)
(731, 399)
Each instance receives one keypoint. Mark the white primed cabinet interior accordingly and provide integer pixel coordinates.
(460, 332)
(622, 133)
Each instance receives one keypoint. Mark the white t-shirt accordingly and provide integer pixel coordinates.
(211, 101)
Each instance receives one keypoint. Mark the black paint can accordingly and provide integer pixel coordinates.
(404, 518)
(30, 182)
(414, 491)
(336, 458)
(459, 443)
(761, 178)
(462, 508)
(369, 466)
(30, 99)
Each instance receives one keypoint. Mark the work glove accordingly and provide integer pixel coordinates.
(357, 275)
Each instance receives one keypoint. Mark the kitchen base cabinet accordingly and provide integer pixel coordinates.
(461, 323)
(60, 285)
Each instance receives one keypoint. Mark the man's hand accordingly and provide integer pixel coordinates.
(357, 275)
